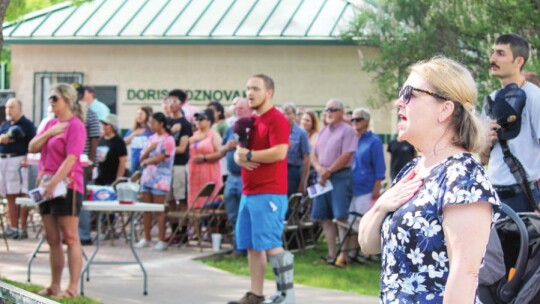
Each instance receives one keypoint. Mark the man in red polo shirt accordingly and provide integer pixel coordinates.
(263, 206)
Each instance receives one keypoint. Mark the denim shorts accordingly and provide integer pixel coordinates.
(145, 189)
(334, 204)
(260, 221)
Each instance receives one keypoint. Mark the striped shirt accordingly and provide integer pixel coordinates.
(93, 129)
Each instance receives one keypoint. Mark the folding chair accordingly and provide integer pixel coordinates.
(2, 227)
(218, 214)
(192, 216)
(351, 231)
(307, 227)
(291, 232)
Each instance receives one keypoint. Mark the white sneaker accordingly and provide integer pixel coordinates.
(143, 244)
(161, 246)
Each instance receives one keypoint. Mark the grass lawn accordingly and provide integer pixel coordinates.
(36, 288)
(357, 278)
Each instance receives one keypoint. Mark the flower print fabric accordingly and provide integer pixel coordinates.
(158, 176)
(414, 255)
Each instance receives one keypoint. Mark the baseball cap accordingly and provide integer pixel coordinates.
(112, 120)
(507, 110)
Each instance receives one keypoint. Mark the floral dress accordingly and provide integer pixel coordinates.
(159, 176)
(415, 262)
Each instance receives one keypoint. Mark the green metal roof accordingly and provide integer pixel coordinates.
(186, 21)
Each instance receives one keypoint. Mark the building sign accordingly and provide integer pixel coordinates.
(139, 95)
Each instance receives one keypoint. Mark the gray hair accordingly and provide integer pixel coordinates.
(340, 104)
(289, 105)
(362, 112)
(17, 101)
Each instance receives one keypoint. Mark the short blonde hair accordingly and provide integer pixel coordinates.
(69, 94)
(451, 79)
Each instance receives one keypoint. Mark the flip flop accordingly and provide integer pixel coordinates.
(47, 292)
(66, 294)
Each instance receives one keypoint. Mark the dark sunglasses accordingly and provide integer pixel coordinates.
(53, 98)
(332, 110)
(200, 118)
(359, 119)
(406, 93)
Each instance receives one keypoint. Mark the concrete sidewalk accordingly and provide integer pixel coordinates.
(173, 277)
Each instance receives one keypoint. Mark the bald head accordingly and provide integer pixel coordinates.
(241, 107)
(13, 109)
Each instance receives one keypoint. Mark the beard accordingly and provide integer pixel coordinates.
(256, 107)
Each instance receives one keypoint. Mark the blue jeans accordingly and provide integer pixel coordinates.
(233, 193)
(518, 202)
(334, 204)
(84, 225)
(293, 179)
(85, 217)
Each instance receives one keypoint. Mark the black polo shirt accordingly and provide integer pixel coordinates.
(19, 146)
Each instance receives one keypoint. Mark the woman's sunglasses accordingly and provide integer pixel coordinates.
(53, 98)
(406, 93)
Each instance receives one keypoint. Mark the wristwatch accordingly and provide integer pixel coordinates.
(248, 155)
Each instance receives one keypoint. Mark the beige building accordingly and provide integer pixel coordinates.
(133, 52)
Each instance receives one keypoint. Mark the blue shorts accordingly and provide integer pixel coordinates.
(146, 189)
(334, 204)
(260, 221)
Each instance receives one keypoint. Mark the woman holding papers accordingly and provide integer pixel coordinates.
(61, 143)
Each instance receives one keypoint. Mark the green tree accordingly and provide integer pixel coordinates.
(4, 4)
(406, 31)
(11, 11)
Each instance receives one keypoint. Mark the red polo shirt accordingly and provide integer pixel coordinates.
(269, 130)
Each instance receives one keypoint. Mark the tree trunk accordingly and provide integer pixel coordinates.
(3, 9)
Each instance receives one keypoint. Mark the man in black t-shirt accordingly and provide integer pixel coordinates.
(181, 130)
(401, 152)
(111, 152)
(15, 134)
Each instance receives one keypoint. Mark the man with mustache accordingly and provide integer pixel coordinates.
(509, 55)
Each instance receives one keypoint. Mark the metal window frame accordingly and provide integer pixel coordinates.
(38, 74)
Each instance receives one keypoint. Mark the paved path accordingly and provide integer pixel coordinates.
(174, 277)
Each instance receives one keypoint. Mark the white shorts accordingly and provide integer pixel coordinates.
(178, 184)
(13, 177)
(360, 204)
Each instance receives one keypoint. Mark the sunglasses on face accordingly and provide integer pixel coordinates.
(53, 98)
(332, 110)
(172, 100)
(358, 119)
(406, 93)
(200, 118)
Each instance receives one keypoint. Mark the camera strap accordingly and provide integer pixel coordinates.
(513, 163)
(519, 174)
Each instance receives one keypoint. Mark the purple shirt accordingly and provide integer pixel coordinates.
(58, 147)
(333, 142)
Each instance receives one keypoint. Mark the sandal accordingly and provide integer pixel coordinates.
(342, 262)
(47, 292)
(66, 294)
(326, 260)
